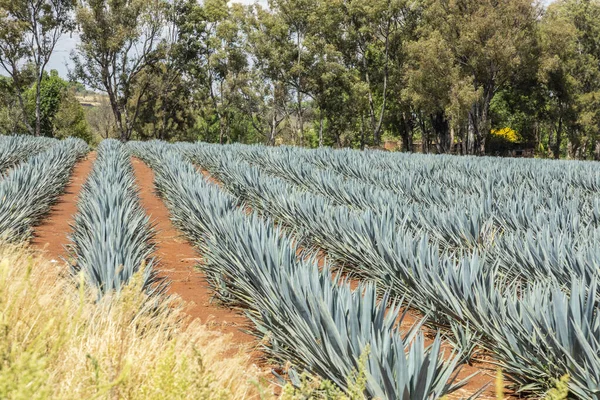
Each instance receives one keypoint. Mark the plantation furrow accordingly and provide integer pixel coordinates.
(52, 234)
(311, 319)
(177, 262)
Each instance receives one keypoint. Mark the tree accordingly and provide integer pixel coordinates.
(60, 114)
(489, 41)
(101, 120)
(212, 56)
(51, 90)
(120, 41)
(29, 31)
(12, 114)
(70, 119)
(559, 40)
(365, 37)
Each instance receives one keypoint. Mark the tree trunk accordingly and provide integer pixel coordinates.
(362, 132)
(273, 128)
(38, 105)
(23, 111)
(557, 143)
(479, 121)
(424, 137)
(406, 134)
(471, 135)
(441, 127)
(300, 119)
(320, 130)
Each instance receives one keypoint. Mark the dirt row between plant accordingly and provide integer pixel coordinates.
(177, 257)
(177, 262)
(51, 235)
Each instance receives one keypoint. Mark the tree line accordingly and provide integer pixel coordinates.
(444, 76)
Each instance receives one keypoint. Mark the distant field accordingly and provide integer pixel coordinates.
(90, 100)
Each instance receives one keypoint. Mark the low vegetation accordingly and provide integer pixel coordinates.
(61, 343)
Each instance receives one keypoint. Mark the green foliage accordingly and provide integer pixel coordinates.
(70, 120)
(52, 91)
(104, 60)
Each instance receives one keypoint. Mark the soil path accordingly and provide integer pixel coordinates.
(52, 235)
(177, 261)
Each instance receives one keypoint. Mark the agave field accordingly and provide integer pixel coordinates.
(28, 189)
(328, 251)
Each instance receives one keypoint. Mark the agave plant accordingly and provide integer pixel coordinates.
(112, 236)
(29, 189)
(16, 149)
(468, 264)
(310, 317)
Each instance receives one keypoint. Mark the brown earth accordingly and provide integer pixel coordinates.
(177, 262)
(51, 235)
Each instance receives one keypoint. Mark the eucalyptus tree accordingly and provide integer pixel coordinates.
(569, 76)
(277, 38)
(213, 57)
(29, 32)
(557, 74)
(488, 42)
(120, 41)
(365, 37)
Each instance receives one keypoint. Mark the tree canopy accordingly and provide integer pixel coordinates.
(432, 75)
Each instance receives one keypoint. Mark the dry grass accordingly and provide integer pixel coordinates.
(56, 342)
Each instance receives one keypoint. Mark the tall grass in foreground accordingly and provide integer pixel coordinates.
(58, 343)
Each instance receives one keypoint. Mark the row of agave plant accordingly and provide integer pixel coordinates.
(464, 222)
(16, 149)
(474, 203)
(542, 236)
(29, 189)
(548, 250)
(537, 327)
(307, 315)
(112, 236)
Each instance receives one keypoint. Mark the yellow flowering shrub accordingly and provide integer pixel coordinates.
(507, 134)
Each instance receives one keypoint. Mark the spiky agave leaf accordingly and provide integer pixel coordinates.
(112, 236)
(311, 319)
(29, 189)
(16, 149)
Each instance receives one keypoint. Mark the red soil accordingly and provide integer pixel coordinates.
(177, 261)
(51, 235)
